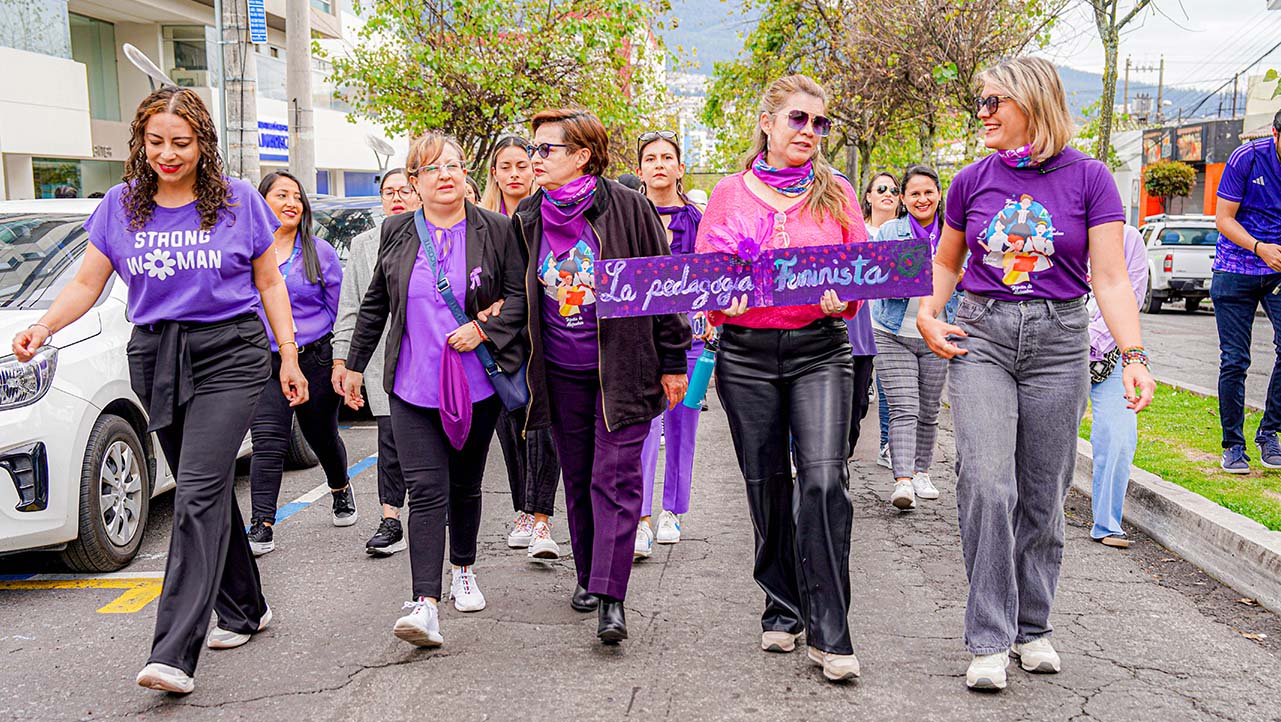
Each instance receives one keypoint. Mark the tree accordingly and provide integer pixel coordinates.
(1109, 26)
(479, 68)
(1167, 179)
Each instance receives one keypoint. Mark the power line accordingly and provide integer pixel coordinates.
(1225, 83)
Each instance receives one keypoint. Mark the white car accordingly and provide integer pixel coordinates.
(1180, 260)
(77, 466)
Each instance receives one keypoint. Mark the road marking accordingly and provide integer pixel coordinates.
(319, 492)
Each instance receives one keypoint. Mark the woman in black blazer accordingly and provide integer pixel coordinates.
(443, 405)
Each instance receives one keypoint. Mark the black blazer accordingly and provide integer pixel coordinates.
(492, 245)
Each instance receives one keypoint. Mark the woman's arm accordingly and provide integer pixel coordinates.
(372, 317)
(72, 302)
(505, 326)
(947, 272)
(1112, 291)
(275, 301)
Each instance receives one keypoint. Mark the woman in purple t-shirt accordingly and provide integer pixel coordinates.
(443, 404)
(193, 247)
(313, 277)
(1032, 215)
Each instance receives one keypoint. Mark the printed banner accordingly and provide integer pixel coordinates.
(782, 277)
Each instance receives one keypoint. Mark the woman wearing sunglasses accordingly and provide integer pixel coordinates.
(533, 471)
(880, 206)
(911, 375)
(1034, 216)
(447, 258)
(397, 196)
(598, 383)
(785, 376)
(661, 173)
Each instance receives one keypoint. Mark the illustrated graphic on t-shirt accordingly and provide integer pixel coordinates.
(570, 281)
(1020, 240)
(170, 252)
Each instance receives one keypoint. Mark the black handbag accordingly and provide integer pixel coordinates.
(1100, 370)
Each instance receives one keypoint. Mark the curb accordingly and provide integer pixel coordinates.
(1237, 551)
(1199, 390)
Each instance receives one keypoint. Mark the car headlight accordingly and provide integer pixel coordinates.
(23, 384)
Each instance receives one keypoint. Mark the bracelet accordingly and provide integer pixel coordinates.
(41, 325)
(1255, 251)
(1134, 355)
(283, 344)
(480, 331)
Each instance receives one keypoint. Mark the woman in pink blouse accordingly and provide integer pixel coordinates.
(790, 366)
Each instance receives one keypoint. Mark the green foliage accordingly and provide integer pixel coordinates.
(480, 68)
(1273, 76)
(1169, 179)
(1087, 136)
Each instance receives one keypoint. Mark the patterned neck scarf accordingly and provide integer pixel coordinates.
(1020, 157)
(791, 182)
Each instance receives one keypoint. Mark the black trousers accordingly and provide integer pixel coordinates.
(777, 384)
(862, 397)
(209, 565)
(391, 480)
(272, 429)
(436, 476)
(533, 469)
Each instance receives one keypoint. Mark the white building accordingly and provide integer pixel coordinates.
(67, 93)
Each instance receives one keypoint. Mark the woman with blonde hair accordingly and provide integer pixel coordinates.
(1035, 216)
(785, 376)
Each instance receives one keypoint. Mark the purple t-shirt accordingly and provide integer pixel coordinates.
(1028, 228)
(177, 272)
(1252, 177)
(315, 305)
(569, 304)
(428, 321)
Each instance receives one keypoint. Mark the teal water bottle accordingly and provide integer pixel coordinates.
(702, 376)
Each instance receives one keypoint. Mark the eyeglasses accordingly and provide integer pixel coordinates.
(798, 119)
(885, 188)
(991, 102)
(406, 192)
(451, 167)
(543, 149)
(650, 136)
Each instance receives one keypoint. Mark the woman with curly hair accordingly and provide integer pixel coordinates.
(194, 248)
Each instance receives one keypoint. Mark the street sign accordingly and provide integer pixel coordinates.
(257, 21)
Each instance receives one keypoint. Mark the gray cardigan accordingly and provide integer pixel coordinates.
(356, 278)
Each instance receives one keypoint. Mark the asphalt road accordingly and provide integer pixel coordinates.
(1185, 347)
(1143, 635)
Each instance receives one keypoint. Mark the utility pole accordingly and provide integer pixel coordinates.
(1235, 78)
(1126, 91)
(302, 131)
(241, 93)
(1160, 91)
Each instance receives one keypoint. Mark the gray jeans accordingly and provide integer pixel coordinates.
(912, 378)
(1018, 396)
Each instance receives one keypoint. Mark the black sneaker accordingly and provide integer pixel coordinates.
(388, 540)
(344, 507)
(260, 538)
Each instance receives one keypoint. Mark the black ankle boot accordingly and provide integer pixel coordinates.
(583, 601)
(613, 625)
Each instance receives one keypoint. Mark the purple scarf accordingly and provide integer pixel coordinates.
(931, 231)
(791, 182)
(562, 209)
(683, 224)
(1020, 157)
(455, 398)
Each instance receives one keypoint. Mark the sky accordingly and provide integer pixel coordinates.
(1204, 41)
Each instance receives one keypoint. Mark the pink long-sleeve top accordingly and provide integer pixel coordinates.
(732, 197)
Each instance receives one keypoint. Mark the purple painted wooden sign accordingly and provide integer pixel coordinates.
(783, 277)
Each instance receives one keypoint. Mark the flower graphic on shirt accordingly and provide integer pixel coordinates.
(159, 264)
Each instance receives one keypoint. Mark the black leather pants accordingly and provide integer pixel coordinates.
(795, 385)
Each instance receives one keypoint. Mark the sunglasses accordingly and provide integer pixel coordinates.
(991, 102)
(887, 188)
(798, 119)
(653, 135)
(543, 149)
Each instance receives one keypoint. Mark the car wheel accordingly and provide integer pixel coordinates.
(1192, 305)
(299, 455)
(115, 498)
(1151, 302)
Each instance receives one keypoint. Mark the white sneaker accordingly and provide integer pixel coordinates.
(221, 638)
(644, 541)
(465, 592)
(987, 671)
(778, 641)
(165, 678)
(903, 497)
(542, 546)
(836, 667)
(421, 627)
(669, 528)
(522, 531)
(923, 487)
(883, 458)
(1037, 656)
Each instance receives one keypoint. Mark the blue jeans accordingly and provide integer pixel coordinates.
(1114, 434)
(882, 411)
(1236, 297)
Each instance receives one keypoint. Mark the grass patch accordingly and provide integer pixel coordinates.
(1179, 441)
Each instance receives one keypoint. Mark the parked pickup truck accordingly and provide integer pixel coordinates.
(1180, 259)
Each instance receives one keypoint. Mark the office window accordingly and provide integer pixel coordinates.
(93, 42)
(188, 58)
(324, 6)
(360, 184)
